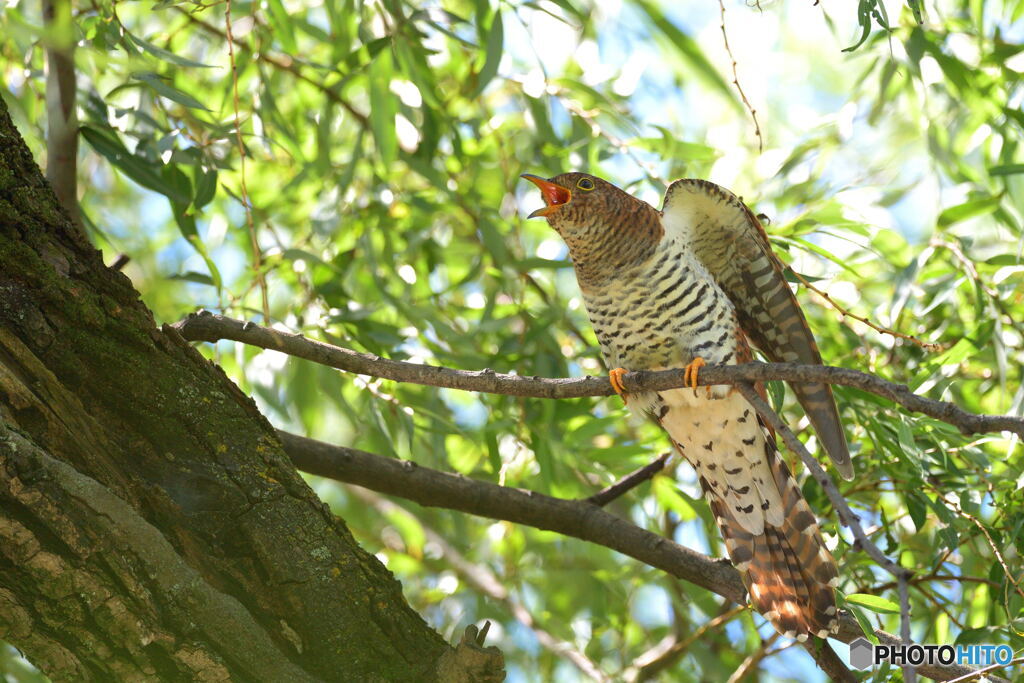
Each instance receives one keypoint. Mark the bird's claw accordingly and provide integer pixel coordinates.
(615, 378)
(690, 373)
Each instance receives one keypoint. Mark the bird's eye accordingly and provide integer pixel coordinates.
(585, 184)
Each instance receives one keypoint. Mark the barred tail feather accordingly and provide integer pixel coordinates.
(788, 571)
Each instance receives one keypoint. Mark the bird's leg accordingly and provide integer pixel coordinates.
(690, 374)
(615, 378)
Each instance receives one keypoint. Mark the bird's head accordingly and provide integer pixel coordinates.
(578, 202)
(604, 226)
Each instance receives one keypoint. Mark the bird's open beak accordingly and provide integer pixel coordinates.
(554, 195)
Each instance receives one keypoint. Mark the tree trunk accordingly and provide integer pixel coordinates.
(150, 524)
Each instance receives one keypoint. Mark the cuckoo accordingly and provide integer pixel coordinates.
(696, 283)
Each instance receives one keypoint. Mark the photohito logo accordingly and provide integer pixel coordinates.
(863, 654)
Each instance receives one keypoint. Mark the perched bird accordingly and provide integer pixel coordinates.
(690, 285)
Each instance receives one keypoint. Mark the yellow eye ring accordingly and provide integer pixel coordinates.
(585, 184)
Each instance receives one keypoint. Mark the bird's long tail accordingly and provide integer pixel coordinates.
(788, 571)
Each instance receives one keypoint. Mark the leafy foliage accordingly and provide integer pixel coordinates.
(382, 145)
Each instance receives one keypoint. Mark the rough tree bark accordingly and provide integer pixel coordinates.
(151, 525)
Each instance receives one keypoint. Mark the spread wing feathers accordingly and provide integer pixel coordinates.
(787, 569)
(731, 244)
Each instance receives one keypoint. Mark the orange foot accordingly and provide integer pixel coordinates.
(690, 373)
(615, 377)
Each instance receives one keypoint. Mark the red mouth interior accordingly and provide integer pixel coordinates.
(554, 195)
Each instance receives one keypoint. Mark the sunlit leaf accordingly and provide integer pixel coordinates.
(494, 44)
(969, 209)
(873, 603)
(162, 86)
(383, 107)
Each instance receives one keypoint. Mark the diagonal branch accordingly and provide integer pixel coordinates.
(629, 482)
(206, 326)
(576, 518)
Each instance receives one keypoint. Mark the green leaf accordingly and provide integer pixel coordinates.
(177, 180)
(874, 603)
(206, 187)
(1006, 169)
(165, 55)
(541, 119)
(383, 107)
(143, 171)
(495, 42)
(824, 253)
(538, 262)
(969, 209)
(193, 276)
(864, 10)
(918, 510)
(362, 55)
(668, 497)
(159, 84)
(282, 25)
(864, 623)
(915, 9)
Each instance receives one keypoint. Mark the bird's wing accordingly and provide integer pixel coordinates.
(731, 244)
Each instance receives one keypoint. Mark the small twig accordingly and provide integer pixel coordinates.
(925, 579)
(736, 81)
(257, 254)
(995, 549)
(908, 671)
(927, 346)
(748, 665)
(628, 482)
(645, 668)
(206, 326)
(980, 673)
(942, 605)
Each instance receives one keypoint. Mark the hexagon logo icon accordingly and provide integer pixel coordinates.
(861, 653)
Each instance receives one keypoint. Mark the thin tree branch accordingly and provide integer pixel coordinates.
(736, 80)
(908, 671)
(629, 482)
(928, 578)
(576, 518)
(927, 346)
(982, 674)
(653, 662)
(61, 110)
(257, 253)
(750, 663)
(206, 326)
